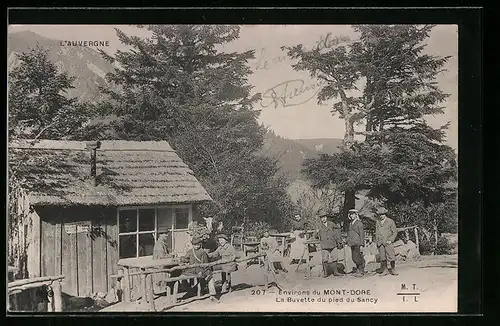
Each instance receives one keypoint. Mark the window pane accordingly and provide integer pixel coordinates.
(128, 220)
(181, 218)
(128, 246)
(164, 220)
(146, 244)
(146, 220)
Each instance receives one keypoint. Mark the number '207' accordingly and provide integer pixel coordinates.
(258, 292)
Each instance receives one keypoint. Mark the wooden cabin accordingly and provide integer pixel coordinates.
(85, 206)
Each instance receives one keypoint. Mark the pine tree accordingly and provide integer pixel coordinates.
(177, 86)
(38, 106)
(402, 161)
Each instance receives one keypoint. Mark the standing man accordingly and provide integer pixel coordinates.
(385, 234)
(356, 240)
(330, 240)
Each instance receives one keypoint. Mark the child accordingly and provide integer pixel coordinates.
(270, 246)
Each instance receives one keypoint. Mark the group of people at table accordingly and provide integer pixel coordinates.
(224, 252)
(330, 242)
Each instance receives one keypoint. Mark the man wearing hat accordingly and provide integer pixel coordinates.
(385, 234)
(225, 252)
(198, 255)
(330, 239)
(356, 240)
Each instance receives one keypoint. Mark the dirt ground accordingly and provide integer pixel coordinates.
(431, 286)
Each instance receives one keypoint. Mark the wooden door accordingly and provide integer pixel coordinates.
(182, 216)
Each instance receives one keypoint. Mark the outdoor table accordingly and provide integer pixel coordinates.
(250, 246)
(307, 254)
(143, 263)
(282, 239)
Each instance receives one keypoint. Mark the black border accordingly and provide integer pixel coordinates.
(470, 105)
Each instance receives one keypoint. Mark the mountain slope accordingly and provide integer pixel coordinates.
(83, 63)
(291, 153)
(89, 69)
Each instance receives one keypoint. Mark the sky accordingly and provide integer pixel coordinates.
(299, 116)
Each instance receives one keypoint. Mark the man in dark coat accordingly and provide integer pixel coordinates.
(198, 255)
(330, 241)
(356, 240)
(385, 234)
(225, 252)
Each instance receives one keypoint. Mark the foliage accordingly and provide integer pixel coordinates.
(177, 86)
(38, 108)
(257, 228)
(426, 247)
(444, 247)
(198, 231)
(311, 200)
(37, 101)
(403, 162)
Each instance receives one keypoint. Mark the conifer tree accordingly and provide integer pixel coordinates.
(402, 161)
(38, 105)
(178, 86)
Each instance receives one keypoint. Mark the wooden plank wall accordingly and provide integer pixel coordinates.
(86, 262)
(99, 265)
(111, 251)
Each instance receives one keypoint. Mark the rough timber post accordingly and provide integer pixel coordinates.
(416, 239)
(50, 304)
(126, 285)
(150, 290)
(119, 281)
(56, 287)
(144, 286)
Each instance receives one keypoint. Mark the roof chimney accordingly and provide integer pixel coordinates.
(93, 146)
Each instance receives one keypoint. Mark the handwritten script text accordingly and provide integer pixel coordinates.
(290, 93)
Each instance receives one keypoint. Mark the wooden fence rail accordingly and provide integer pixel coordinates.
(53, 282)
(147, 279)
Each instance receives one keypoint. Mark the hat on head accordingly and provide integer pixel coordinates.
(381, 210)
(223, 236)
(322, 212)
(196, 240)
(353, 210)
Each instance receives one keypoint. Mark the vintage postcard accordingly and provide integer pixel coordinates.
(226, 168)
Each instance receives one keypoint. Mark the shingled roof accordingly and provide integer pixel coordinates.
(128, 173)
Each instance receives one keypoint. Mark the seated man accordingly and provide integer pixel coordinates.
(225, 252)
(160, 249)
(197, 255)
(270, 246)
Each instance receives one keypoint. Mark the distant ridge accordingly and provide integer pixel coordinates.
(291, 153)
(89, 69)
(83, 63)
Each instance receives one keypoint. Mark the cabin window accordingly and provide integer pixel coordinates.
(139, 228)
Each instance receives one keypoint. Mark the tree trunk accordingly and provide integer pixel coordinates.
(349, 203)
(369, 126)
(435, 226)
(349, 124)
